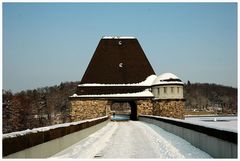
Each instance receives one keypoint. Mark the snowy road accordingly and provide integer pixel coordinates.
(132, 139)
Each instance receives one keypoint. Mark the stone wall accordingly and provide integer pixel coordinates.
(169, 108)
(82, 109)
(39, 142)
(87, 109)
(145, 107)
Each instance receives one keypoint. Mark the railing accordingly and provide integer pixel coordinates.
(216, 142)
(46, 141)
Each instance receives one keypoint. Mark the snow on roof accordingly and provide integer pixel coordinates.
(147, 82)
(118, 37)
(168, 83)
(167, 78)
(145, 93)
(42, 129)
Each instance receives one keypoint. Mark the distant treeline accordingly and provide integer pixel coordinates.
(36, 108)
(49, 105)
(205, 96)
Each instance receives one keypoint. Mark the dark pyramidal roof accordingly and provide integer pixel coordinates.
(118, 60)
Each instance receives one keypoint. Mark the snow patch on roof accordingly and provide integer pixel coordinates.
(167, 78)
(145, 93)
(118, 37)
(147, 82)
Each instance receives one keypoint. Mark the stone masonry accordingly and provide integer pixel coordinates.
(169, 108)
(87, 109)
(144, 107)
(82, 109)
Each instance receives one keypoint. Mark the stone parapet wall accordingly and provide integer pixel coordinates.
(145, 107)
(87, 109)
(169, 108)
(218, 143)
(38, 142)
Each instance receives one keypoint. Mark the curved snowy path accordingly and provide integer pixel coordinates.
(132, 139)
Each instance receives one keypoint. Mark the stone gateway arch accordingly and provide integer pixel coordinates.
(119, 76)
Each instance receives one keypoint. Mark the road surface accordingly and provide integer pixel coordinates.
(132, 139)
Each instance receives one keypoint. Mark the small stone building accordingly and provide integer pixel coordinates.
(119, 73)
(168, 98)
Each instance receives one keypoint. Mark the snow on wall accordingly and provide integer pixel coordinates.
(47, 128)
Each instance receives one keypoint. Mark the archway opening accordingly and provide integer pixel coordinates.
(123, 110)
(133, 115)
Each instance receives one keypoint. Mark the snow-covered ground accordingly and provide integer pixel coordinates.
(132, 139)
(229, 123)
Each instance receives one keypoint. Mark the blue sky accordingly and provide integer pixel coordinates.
(45, 44)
